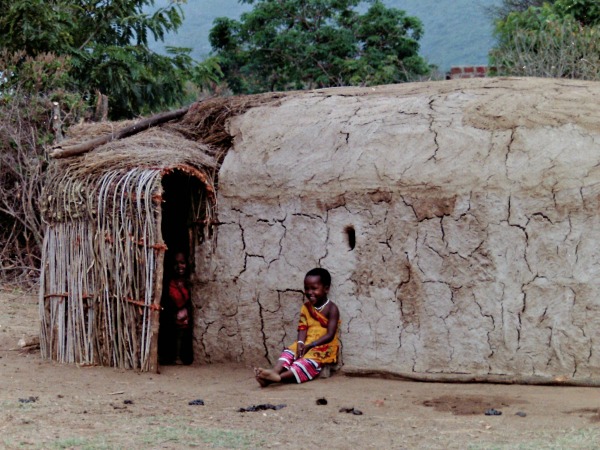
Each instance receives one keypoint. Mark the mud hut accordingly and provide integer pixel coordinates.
(459, 220)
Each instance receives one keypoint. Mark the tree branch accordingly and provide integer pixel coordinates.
(78, 149)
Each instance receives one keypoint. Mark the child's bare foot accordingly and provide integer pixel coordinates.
(261, 381)
(268, 375)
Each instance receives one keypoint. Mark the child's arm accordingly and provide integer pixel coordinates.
(301, 341)
(334, 317)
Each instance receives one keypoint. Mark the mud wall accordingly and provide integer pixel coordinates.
(476, 238)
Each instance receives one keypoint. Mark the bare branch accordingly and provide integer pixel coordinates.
(78, 149)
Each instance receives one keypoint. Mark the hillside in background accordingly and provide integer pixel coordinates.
(457, 32)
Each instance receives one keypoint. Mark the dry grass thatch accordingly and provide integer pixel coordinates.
(70, 192)
(206, 121)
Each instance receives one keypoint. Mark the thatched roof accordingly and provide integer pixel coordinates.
(196, 143)
(72, 182)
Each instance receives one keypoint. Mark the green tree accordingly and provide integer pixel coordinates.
(505, 7)
(559, 39)
(105, 43)
(303, 44)
(586, 12)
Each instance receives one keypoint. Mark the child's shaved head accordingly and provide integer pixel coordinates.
(323, 275)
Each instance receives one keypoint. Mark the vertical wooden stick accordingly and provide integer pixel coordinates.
(104, 116)
(158, 283)
(56, 123)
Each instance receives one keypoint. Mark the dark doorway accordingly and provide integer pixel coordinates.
(184, 204)
(183, 219)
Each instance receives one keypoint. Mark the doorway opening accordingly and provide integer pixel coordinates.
(183, 222)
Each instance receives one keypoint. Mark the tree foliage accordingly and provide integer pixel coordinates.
(54, 56)
(105, 44)
(559, 39)
(586, 12)
(299, 44)
(505, 7)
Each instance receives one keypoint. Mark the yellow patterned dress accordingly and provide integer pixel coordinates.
(315, 325)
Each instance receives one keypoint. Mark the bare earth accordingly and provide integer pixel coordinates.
(48, 405)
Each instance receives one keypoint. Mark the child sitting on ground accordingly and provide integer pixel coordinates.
(317, 336)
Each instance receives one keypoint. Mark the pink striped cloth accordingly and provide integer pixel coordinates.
(303, 369)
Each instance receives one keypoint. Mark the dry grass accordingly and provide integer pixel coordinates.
(206, 121)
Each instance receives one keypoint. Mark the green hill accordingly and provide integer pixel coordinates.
(457, 32)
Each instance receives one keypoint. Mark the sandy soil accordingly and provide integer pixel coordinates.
(48, 405)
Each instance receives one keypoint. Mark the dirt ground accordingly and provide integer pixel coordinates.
(48, 405)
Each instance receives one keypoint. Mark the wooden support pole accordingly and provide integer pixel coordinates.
(56, 122)
(101, 114)
(158, 285)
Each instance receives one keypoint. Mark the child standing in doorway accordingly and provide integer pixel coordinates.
(176, 318)
(317, 342)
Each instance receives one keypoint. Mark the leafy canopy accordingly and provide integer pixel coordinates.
(300, 44)
(558, 39)
(528, 13)
(586, 12)
(505, 7)
(105, 43)
(576, 12)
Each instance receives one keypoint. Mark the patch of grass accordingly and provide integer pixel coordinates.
(8, 443)
(580, 439)
(24, 406)
(200, 437)
(78, 443)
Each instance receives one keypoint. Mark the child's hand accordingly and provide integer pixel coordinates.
(300, 350)
(182, 317)
(306, 349)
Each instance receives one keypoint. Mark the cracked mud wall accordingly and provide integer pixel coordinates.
(477, 228)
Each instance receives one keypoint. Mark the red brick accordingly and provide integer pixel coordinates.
(469, 69)
(481, 69)
(455, 70)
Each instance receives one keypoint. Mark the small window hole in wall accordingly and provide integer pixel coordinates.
(350, 236)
